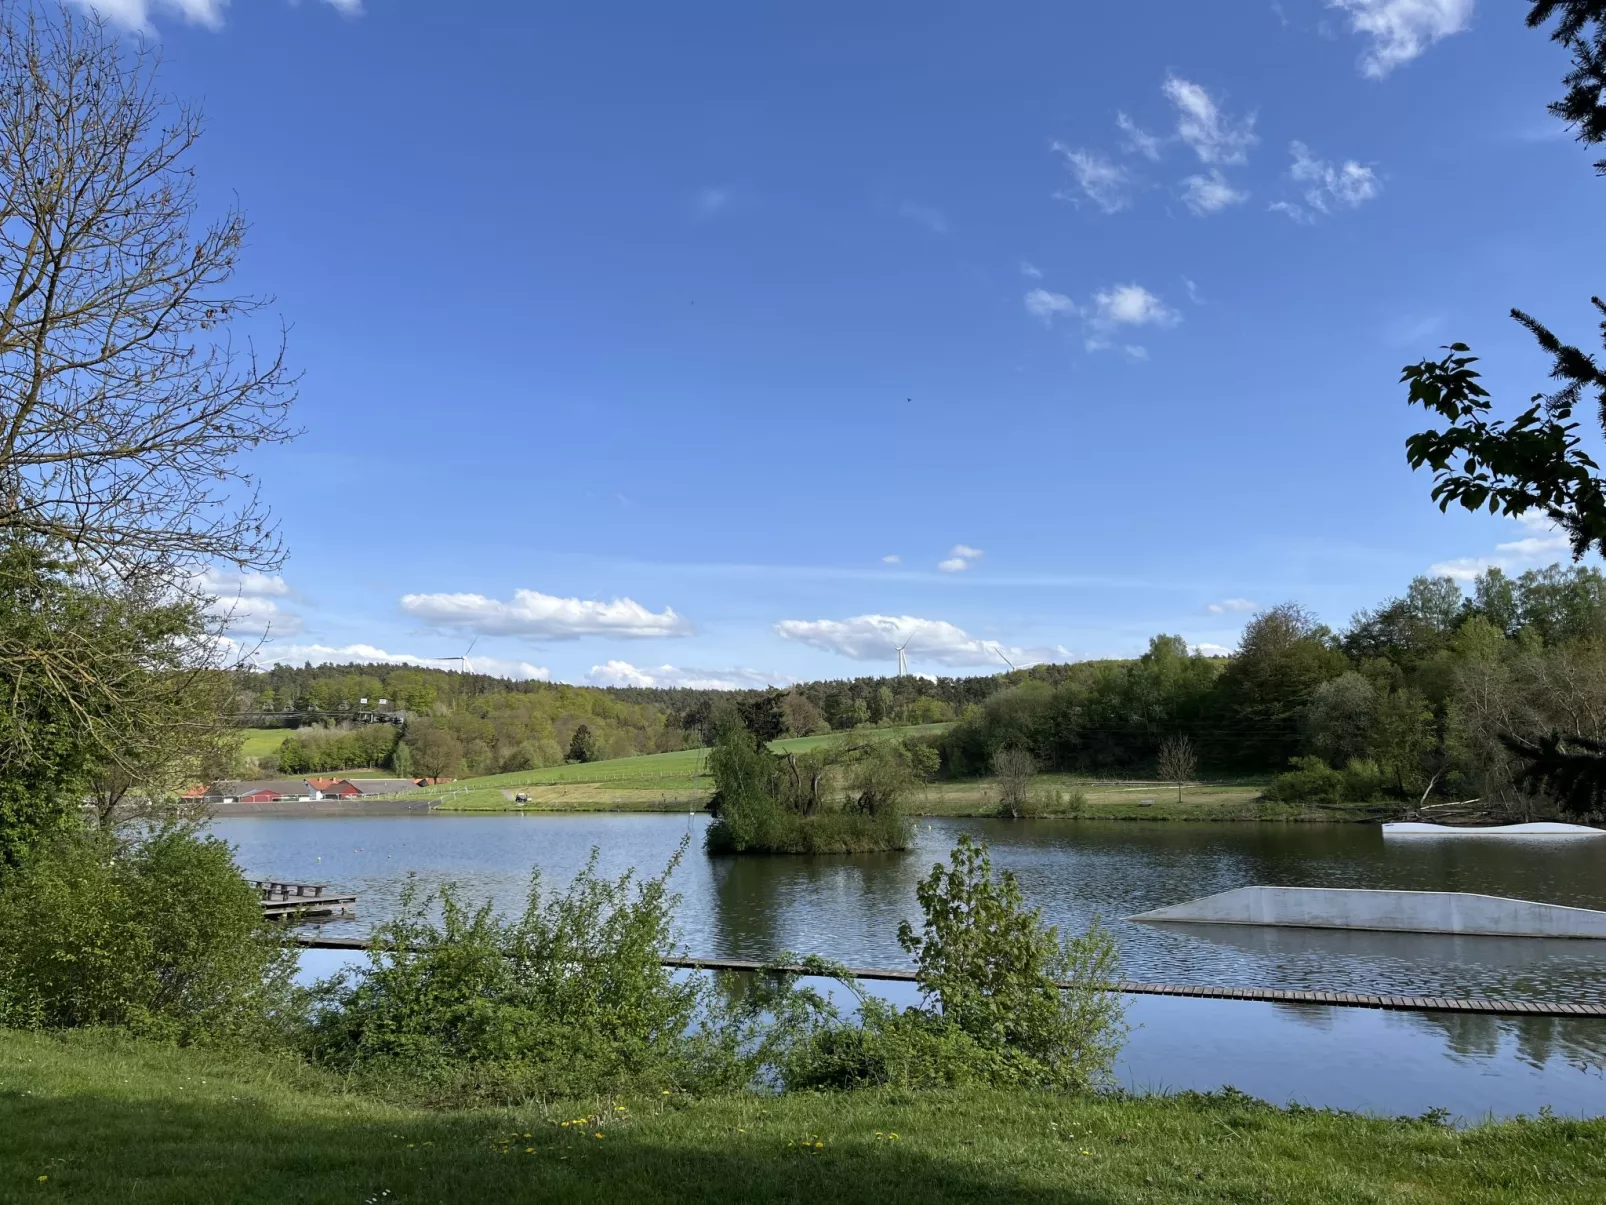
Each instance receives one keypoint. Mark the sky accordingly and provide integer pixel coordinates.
(724, 344)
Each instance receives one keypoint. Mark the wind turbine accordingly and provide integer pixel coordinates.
(903, 662)
(462, 660)
(1003, 658)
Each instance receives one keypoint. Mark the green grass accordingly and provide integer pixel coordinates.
(652, 782)
(259, 742)
(94, 1118)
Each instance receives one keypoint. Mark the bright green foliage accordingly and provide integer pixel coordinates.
(117, 1120)
(570, 996)
(315, 750)
(160, 935)
(840, 797)
(1312, 780)
(92, 674)
(991, 969)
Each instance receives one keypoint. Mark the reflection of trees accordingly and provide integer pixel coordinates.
(746, 903)
(1320, 1017)
(1539, 1040)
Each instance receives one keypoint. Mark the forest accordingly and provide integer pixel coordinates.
(1420, 695)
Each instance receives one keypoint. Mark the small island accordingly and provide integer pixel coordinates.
(842, 797)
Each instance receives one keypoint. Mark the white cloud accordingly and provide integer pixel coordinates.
(1102, 182)
(960, 557)
(1137, 141)
(1327, 185)
(1210, 194)
(243, 601)
(1201, 123)
(877, 637)
(622, 673)
(1236, 605)
(892, 558)
(1133, 305)
(544, 617)
(225, 583)
(137, 14)
(1400, 30)
(1040, 303)
(1031, 271)
(1193, 291)
(1135, 351)
(1297, 213)
(1547, 543)
(1206, 649)
(924, 215)
(367, 654)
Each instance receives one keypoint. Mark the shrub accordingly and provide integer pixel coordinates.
(1013, 769)
(1310, 781)
(1006, 1000)
(570, 997)
(159, 934)
(1363, 780)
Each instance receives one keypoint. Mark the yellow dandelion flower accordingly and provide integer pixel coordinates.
(42, 1179)
(529, 1150)
(599, 1135)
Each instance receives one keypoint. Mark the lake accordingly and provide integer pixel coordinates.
(848, 908)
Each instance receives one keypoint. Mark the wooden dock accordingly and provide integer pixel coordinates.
(1268, 995)
(301, 901)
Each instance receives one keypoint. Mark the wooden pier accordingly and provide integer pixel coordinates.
(301, 901)
(1268, 995)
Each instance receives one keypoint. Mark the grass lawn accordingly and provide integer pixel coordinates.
(259, 742)
(1106, 800)
(93, 1118)
(653, 782)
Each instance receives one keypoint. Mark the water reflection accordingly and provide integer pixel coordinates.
(849, 909)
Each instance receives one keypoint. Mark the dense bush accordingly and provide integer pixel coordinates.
(568, 997)
(1313, 781)
(839, 798)
(318, 750)
(158, 934)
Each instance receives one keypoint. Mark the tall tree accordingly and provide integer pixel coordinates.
(1538, 461)
(124, 403)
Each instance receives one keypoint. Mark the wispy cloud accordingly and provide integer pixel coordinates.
(1232, 606)
(1122, 306)
(367, 654)
(1030, 271)
(1137, 141)
(933, 220)
(1400, 30)
(543, 616)
(1210, 194)
(1106, 184)
(1041, 303)
(1546, 542)
(709, 201)
(877, 637)
(622, 673)
(137, 14)
(1216, 138)
(1327, 186)
(892, 558)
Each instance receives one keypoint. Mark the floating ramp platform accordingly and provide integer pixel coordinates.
(1455, 912)
(1538, 828)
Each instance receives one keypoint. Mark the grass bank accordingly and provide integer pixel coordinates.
(90, 1117)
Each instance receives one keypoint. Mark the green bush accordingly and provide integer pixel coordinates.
(570, 997)
(1006, 1000)
(159, 934)
(1313, 781)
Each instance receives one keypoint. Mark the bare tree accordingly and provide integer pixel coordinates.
(124, 401)
(1178, 762)
(1014, 769)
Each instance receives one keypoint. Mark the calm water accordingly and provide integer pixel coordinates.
(849, 909)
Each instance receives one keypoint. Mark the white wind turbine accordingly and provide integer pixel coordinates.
(1003, 658)
(903, 662)
(462, 660)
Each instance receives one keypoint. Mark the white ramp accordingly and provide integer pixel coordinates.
(1390, 911)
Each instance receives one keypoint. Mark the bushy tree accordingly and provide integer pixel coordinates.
(582, 745)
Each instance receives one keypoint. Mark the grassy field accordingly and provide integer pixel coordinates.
(259, 742)
(655, 782)
(93, 1118)
(1105, 800)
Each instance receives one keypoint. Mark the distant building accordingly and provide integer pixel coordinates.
(293, 790)
(360, 787)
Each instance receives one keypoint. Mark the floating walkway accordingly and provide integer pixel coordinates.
(1459, 913)
(300, 901)
(1537, 828)
(1269, 995)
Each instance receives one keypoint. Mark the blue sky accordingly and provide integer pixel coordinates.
(727, 342)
